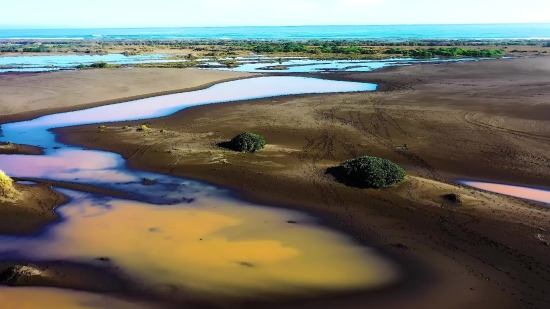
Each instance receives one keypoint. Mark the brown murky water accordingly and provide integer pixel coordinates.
(211, 246)
(46, 298)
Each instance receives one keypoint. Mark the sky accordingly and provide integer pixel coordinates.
(200, 13)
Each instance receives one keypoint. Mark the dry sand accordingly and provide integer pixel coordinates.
(481, 120)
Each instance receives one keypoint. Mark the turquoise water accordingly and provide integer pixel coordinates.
(310, 66)
(252, 64)
(481, 31)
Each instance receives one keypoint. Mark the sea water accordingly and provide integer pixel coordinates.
(382, 32)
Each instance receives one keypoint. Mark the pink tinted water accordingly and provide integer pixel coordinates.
(516, 191)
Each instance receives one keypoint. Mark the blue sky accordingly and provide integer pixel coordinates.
(182, 13)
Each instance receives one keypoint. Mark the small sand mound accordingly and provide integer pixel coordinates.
(19, 275)
(453, 197)
(7, 189)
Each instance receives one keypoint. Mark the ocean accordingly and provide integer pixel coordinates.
(382, 32)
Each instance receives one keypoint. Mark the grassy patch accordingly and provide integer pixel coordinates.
(142, 128)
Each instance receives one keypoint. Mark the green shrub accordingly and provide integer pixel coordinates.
(372, 172)
(247, 142)
(99, 65)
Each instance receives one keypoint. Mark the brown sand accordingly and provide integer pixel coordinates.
(30, 211)
(39, 93)
(482, 120)
(8, 148)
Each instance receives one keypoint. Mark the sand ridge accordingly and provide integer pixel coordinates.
(54, 91)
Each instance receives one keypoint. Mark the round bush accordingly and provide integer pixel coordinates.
(247, 142)
(372, 172)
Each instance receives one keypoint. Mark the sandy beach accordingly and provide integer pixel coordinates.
(485, 120)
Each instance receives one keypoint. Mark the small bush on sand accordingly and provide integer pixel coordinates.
(99, 65)
(142, 128)
(368, 172)
(247, 142)
(6, 186)
(453, 197)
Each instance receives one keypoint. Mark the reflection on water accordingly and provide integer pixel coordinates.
(212, 245)
(27, 182)
(43, 63)
(68, 164)
(41, 298)
(183, 233)
(293, 65)
(521, 192)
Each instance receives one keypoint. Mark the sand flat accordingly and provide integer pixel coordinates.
(30, 92)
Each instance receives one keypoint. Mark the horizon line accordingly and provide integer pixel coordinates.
(38, 27)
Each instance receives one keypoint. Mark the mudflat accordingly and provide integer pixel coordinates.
(484, 120)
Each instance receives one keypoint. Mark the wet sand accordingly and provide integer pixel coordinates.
(32, 210)
(483, 121)
(20, 149)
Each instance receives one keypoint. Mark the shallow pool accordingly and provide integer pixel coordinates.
(304, 65)
(533, 194)
(56, 62)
